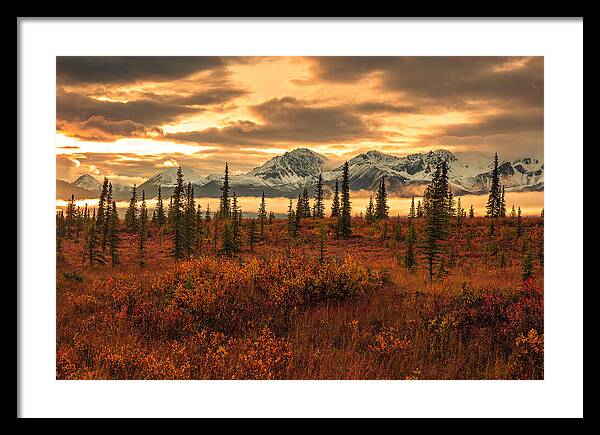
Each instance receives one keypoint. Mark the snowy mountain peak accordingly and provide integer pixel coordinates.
(168, 177)
(86, 181)
(293, 167)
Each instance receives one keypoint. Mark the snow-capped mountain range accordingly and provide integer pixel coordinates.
(288, 174)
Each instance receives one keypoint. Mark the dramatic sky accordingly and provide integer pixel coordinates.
(128, 117)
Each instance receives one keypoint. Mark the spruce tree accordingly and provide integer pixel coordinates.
(190, 226)
(494, 199)
(236, 230)
(436, 223)
(420, 212)
(345, 229)
(370, 212)
(410, 240)
(502, 212)
(305, 204)
(178, 217)
(170, 212)
(519, 224)
(161, 217)
(102, 203)
(471, 212)
(70, 216)
(299, 212)
(143, 228)
(319, 205)
(107, 215)
(207, 219)
(335, 206)
(113, 235)
(513, 212)
(225, 203)
(271, 217)
(93, 249)
(199, 233)
(381, 206)
(459, 213)
(131, 215)
(262, 214)
(291, 217)
(227, 242)
(412, 213)
(451, 204)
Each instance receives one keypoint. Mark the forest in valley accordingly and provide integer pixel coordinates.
(185, 292)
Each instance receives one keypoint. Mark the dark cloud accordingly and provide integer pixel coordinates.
(286, 119)
(126, 69)
(88, 118)
(368, 108)
(214, 96)
(99, 128)
(447, 80)
(498, 124)
(149, 112)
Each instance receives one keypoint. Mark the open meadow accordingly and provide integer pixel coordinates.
(315, 306)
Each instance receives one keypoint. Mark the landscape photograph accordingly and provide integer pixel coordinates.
(300, 218)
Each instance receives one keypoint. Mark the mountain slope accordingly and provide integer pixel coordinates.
(288, 174)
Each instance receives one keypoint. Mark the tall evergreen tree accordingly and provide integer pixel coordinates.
(262, 215)
(93, 248)
(102, 203)
(252, 236)
(335, 206)
(319, 205)
(519, 223)
(107, 216)
(113, 235)
(291, 217)
(451, 205)
(70, 216)
(410, 240)
(178, 217)
(420, 212)
(228, 247)
(190, 220)
(161, 217)
(143, 228)
(207, 219)
(513, 212)
(199, 233)
(381, 206)
(370, 212)
(345, 229)
(459, 213)
(412, 213)
(299, 212)
(494, 199)
(131, 215)
(502, 211)
(436, 215)
(225, 203)
(236, 227)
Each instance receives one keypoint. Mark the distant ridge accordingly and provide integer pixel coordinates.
(287, 175)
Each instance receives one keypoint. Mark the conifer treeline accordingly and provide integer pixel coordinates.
(194, 232)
